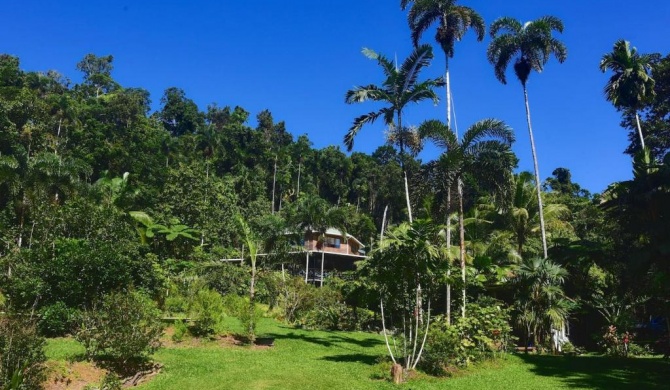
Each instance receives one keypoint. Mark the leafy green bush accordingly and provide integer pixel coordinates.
(180, 330)
(296, 299)
(248, 316)
(21, 354)
(207, 310)
(58, 320)
(227, 278)
(483, 333)
(125, 327)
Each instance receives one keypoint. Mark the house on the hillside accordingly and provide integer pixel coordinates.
(322, 255)
(334, 251)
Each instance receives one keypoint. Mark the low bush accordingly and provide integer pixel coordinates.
(247, 314)
(58, 320)
(125, 327)
(180, 331)
(615, 343)
(483, 333)
(21, 354)
(207, 310)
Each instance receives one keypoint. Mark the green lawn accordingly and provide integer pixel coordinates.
(346, 360)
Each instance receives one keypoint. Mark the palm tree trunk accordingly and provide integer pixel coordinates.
(537, 174)
(274, 181)
(448, 93)
(402, 163)
(461, 229)
(409, 206)
(639, 129)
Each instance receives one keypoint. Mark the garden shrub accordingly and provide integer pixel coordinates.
(180, 331)
(227, 278)
(247, 314)
(207, 310)
(483, 333)
(125, 327)
(21, 354)
(612, 344)
(58, 320)
(296, 299)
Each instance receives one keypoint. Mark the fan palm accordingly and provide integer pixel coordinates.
(530, 45)
(630, 84)
(541, 303)
(401, 87)
(483, 153)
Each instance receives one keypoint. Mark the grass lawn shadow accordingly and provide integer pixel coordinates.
(599, 372)
(328, 340)
(352, 358)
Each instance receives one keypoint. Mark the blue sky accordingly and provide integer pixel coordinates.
(298, 58)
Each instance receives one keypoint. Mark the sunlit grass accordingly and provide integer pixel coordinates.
(302, 359)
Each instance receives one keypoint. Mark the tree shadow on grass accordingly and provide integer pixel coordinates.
(332, 339)
(352, 358)
(598, 372)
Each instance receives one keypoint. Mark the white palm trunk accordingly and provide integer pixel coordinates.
(639, 129)
(537, 174)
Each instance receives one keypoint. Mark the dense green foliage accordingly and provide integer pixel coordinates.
(21, 354)
(124, 328)
(112, 215)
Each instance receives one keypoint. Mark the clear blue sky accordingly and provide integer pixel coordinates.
(298, 58)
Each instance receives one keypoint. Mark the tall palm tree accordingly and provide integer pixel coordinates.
(483, 153)
(453, 22)
(401, 87)
(631, 84)
(530, 45)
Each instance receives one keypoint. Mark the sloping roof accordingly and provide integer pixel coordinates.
(336, 232)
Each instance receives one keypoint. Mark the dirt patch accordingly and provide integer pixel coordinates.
(72, 376)
(79, 375)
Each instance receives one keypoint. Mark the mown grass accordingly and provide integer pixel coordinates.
(302, 359)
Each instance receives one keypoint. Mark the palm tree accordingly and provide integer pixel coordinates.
(523, 216)
(541, 303)
(454, 21)
(252, 242)
(315, 215)
(630, 84)
(400, 88)
(530, 45)
(483, 153)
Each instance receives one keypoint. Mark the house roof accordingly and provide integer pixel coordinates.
(337, 232)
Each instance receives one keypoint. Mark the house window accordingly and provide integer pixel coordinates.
(333, 242)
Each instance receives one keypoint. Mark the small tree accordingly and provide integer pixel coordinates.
(126, 327)
(406, 269)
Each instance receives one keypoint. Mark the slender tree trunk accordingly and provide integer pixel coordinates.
(297, 194)
(409, 206)
(639, 129)
(461, 229)
(404, 171)
(274, 181)
(448, 93)
(537, 174)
